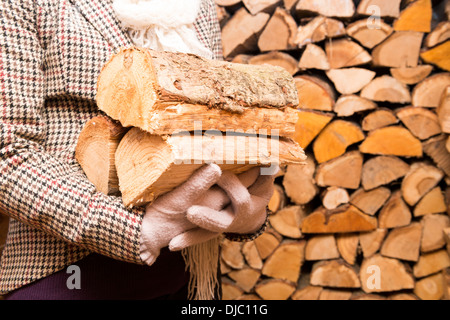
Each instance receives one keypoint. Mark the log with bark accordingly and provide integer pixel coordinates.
(150, 165)
(163, 93)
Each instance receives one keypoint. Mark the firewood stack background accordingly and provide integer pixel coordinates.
(368, 216)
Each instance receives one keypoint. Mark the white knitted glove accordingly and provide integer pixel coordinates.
(166, 217)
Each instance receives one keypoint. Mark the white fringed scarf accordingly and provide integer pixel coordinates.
(168, 25)
(164, 25)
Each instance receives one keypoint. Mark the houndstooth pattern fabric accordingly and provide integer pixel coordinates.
(51, 53)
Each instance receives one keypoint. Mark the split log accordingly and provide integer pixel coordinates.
(370, 201)
(381, 8)
(275, 289)
(421, 178)
(314, 57)
(278, 199)
(164, 92)
(432, 202)
(148, 165)
(403, 297)
(344, 219)
(96, 146)
(438, 56)
(395, 213)
(393, 140)
(251, 255)
(401, 49)
(430, 288)
(335, 274)
(347, 244)
(230, 290)
(224, 268)
(382, 274)
(386, 89)
(287, 221)
(245, 278)
(343, 53)
(286, 261)
(266, 244)
(344, 171)
(309, 125)
(350, 80)
(333, 197)
(433, 231)
(367, 296)
(240, 34)
(347, 105)
(231, 254)
(333, 141)
(412, 75)
(378, 119)
(422, 122)
(248, 297)
(382, 170)
(279, 33)
(443, 110)
(371, 241)
(314, 94)
(319, 29)
(307, 293)
(276, 59)
(436, 149)
(335, 295)
(369, 32)
(439, 34)
(431, 262)
(299, 183)
(257, 6)
(416, 17)
(403, 243)
(429, 92)
(337, 8)
(321, 247)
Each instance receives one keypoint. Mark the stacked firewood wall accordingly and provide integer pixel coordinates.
(368, 216)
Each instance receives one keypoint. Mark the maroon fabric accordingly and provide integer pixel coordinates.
(103, 278)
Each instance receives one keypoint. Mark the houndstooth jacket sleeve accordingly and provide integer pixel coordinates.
(51, 52)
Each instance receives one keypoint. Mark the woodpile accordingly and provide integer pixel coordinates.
(367, 216)
(167, 114)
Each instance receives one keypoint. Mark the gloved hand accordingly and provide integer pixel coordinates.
(249, 194)
(165, 218)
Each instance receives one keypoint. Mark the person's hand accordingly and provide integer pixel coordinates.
(236, 205)
(165, 218)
